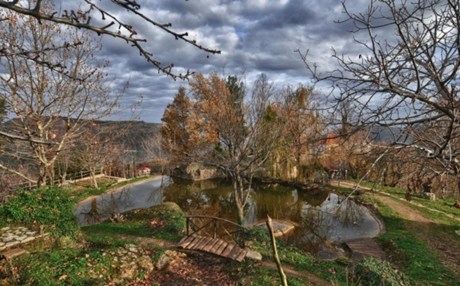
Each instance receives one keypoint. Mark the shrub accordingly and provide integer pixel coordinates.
(373, 271)
(258, 233)
(50, 207)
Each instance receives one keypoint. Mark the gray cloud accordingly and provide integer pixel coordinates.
(254, 36)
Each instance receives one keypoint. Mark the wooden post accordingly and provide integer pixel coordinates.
(275, 252)
(187, 225)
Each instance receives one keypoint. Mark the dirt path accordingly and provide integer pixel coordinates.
(443, 244)
(447, 248)
(352, 185)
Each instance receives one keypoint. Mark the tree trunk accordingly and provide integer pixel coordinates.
(238, 190)
(41, 180)
(93, 176)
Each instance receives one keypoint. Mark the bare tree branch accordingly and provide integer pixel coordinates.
(112, 26)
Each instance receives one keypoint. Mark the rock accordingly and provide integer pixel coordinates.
(280, 227)
(6, 228)
(27, 239)
(8, 238)
(429, 195)
(163, 262)
(21, 238)
(131, 248)
(457, 232)
(129, 262)
(11, 244)
(168, 257)
(128, 271)
(254, 255)
(145, 262)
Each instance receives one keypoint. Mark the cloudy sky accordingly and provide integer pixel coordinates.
(256, 36)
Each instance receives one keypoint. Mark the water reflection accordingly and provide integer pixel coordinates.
(141, 195)
(319, 216)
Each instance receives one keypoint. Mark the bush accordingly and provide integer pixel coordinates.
(373, 271)
(257, 233)
(50, 207)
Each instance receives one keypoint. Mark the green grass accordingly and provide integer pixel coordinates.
(50, 207)
(84, 189)
(61, 267)
(250, 274)
(445, 205)
(169, 224)
(410, 253)
(291, 256)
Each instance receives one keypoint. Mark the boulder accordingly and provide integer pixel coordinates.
(196, 172)
(429, 195)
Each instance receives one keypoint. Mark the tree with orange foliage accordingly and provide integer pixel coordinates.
(242, 129)
(176, 133)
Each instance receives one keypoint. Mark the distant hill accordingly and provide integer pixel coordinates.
(387, 135)
(130, 133)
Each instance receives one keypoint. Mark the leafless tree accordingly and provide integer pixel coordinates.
(102, 18)
(97, 146)
(153, 149)
(48, 106)
(406, 79)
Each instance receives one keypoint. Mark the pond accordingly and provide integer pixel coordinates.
(319, 216)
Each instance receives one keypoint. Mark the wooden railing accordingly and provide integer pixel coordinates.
(216, 227)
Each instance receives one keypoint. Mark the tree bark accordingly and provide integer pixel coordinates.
(275, 252)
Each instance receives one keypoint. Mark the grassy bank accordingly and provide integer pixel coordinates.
(102, 254)
(403, 238)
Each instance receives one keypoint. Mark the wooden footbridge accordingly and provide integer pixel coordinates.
(215, 235)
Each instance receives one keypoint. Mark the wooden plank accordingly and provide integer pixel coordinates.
(211, 244)
(221, 248)
(185, 241)
(235, 252)
(186, 245)
(11, 253)
(203, 242)
(196, 240)
(208, 244)
(216, 246)
(228, 249)
(242, 255)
